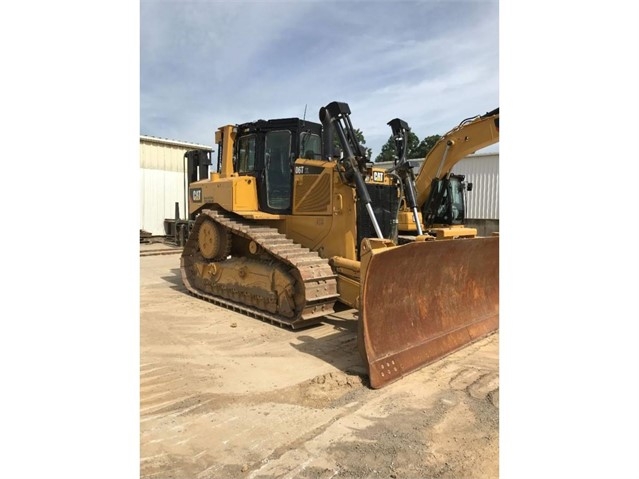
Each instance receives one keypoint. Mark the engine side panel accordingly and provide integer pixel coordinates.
(236, 193)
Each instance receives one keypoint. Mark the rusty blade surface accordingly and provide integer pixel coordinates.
(422, 301)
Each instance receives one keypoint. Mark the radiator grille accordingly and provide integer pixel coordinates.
(385, 204)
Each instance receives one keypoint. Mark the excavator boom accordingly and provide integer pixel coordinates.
(469, 136)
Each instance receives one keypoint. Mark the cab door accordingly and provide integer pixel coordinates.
(278, 171)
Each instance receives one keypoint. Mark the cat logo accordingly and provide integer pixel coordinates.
(196, 195)
(378, 176)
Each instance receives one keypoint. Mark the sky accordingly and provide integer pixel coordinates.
(204, 64)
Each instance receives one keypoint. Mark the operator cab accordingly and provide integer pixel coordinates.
(446, 204)
(267, 150)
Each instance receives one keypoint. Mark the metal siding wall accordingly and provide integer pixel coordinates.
(161, 184)
(483, 173)
(161, 189)
(156, 156)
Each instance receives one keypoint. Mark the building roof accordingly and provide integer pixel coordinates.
(166, 141)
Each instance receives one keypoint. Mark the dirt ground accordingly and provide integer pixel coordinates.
(223, 395)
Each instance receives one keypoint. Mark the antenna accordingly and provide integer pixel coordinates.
(304, 119)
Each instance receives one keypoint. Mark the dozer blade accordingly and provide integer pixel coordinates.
(424, 300)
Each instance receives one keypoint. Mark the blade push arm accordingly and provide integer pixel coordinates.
(404, 168)
(336, 115)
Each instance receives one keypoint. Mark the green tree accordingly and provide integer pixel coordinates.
(416, 149)
(360, 138)
(389, 151)
(424, 147)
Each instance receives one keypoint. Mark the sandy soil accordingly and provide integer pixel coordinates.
(225, 395)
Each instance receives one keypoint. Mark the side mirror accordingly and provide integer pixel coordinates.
(469, 187)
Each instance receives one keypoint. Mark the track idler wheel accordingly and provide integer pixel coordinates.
(214, 241)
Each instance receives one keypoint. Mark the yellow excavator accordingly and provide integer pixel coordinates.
(285, 228)
(433, 200)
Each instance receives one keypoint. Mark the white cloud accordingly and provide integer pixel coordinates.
(205, 64)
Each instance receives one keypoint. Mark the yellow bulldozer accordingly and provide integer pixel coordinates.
(286, 227)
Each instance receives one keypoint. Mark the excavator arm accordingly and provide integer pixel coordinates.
(469, 136)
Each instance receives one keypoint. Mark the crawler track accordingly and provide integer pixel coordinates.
(315, 279)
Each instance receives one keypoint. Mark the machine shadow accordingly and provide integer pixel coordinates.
(175, 280)
(335, 343)
(338, 347)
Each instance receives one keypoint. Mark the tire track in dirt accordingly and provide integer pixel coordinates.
(227, 396)
(319, 393)
(453, 434)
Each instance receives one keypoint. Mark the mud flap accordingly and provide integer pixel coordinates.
(424, 300)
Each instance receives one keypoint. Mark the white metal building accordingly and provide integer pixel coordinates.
(162, 180)
(482, 170)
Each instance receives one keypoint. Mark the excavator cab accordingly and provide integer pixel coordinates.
(446, 204)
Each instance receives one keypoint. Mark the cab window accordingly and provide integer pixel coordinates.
(246, 154)
(310, 146)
